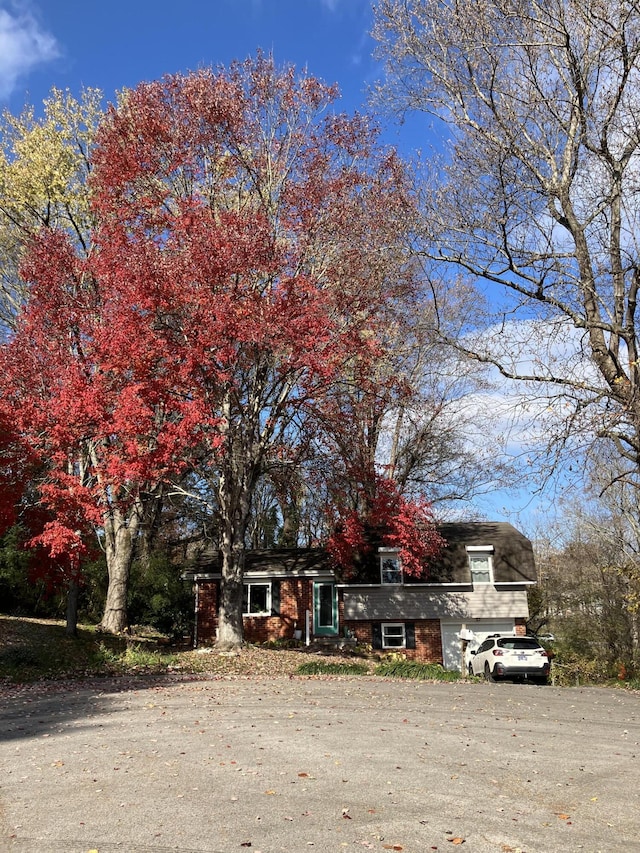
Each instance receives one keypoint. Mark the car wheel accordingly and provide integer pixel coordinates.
(470, 669)
(487, 673)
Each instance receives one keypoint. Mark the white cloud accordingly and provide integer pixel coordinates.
(23, 46)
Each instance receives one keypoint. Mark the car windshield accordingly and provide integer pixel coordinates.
(518, 643)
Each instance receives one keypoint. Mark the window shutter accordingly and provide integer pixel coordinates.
(376, 635)
(275, 598)
(410, 635)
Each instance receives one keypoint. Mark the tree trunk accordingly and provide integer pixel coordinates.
(120, 537)
(149, 526)
(235, 490)
(290, 523)
(230, 626)
(73, 591)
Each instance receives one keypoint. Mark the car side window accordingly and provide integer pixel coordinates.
(486, 645)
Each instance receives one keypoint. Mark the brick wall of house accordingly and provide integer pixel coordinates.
(428, 639)
(295, 600)
(296, 597)
(428, 642)
(362, 631)
(206, 613)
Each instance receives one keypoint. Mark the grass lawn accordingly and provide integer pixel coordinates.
(31, 649)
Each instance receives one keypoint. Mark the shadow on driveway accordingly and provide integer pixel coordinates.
(43, 707)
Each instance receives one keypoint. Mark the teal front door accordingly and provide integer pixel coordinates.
(325, 609)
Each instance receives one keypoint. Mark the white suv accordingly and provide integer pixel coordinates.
(510, 656)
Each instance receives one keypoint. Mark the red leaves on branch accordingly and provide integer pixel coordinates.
(16, 463)
(91, 393)
(391, 521)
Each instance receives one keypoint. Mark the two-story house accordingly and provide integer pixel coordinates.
(478, 583)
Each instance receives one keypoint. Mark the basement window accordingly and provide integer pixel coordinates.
(393, 635)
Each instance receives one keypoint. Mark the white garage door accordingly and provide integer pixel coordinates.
(451, 645)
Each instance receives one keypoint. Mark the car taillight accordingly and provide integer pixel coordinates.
(543, 653)
(498, 652)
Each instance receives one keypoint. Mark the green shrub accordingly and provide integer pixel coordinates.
(416, 670)
(105, 656)
(159, 598)
(571, 670)
(323, 668)
(24, 590)
(134, 656)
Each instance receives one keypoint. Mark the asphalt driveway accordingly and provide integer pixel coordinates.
(308, 764)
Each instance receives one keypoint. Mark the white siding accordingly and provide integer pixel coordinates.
(422, 602)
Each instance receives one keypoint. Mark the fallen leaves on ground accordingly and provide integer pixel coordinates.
(255, 660)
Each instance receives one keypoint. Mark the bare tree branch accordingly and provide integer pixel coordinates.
(537, 201)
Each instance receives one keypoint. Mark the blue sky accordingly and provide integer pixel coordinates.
(116, 44)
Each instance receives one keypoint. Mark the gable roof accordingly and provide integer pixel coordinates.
(512, 554)
(281, 561)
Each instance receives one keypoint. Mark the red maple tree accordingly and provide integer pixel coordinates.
(262, 234)
(248, 246)
(97, 402)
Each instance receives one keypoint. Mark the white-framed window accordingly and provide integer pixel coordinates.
(390, 566)
(480, 563)
(256, 599)
(393, 635)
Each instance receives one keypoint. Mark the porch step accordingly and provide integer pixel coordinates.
(333, 643)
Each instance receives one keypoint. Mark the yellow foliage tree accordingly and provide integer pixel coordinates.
(44, 166)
